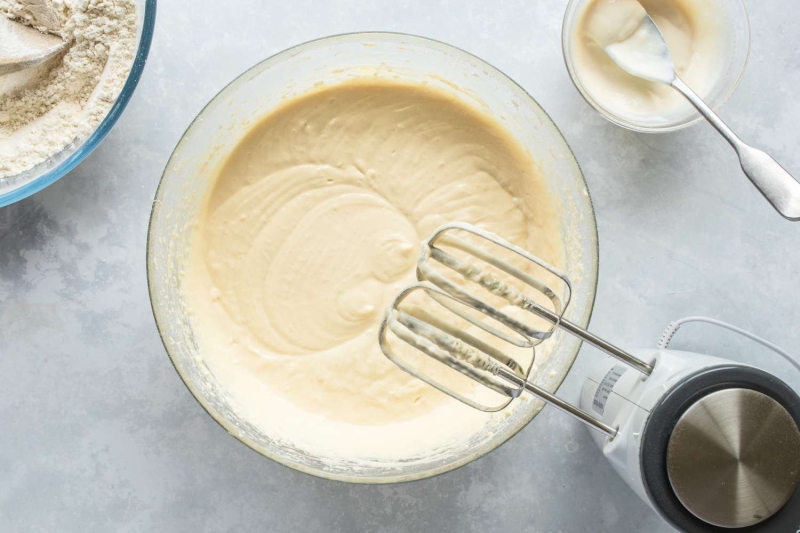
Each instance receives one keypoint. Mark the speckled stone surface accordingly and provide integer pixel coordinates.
(97, 432)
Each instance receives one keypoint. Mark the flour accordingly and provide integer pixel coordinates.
(71, 95)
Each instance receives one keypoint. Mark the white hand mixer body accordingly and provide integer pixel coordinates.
(624, 399)
(711, 445)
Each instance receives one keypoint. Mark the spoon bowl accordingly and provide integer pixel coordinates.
(23, 47)
(645, 54)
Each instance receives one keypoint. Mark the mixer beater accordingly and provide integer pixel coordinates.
(465, 353)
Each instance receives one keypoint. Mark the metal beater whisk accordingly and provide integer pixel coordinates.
(457, 347)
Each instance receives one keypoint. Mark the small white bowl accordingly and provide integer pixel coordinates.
(737, 35)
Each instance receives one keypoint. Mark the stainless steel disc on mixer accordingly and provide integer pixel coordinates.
(734, 458)
(712, 446)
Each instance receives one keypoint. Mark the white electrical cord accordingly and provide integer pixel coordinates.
(673, 328)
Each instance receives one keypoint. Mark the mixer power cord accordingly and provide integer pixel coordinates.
(673, 328)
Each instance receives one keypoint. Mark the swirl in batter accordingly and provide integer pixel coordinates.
(313, 227)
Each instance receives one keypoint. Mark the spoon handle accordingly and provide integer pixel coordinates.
(774, 182)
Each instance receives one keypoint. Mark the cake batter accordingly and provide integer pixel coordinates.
(313, 227)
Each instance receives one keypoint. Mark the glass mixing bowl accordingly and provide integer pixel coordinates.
(15, 188)
(221, 125)
(736, 27)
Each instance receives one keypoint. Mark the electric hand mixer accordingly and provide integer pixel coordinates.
(710, 444)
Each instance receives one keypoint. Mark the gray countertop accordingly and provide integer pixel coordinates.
(97, 432)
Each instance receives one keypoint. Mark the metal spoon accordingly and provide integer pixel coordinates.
(23, 47)
(645, 54)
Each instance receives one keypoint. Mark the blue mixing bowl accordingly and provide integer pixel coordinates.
(21, 186)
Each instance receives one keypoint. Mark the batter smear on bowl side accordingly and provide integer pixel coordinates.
(313, 226)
